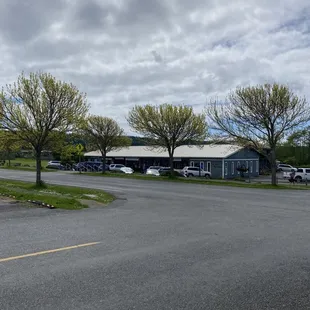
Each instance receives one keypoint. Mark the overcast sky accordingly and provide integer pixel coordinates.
(127, 52)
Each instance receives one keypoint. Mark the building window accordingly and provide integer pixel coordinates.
(251, 166)
(209, 166)
(238, 166)
(257, 166)
(202, 165)
(232, 167)
(226, 168)
(192, 164)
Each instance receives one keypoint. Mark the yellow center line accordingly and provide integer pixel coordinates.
(47, 251)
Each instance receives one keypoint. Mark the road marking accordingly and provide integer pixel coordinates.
(47, 252)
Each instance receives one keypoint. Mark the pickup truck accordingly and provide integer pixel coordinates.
(301, 174)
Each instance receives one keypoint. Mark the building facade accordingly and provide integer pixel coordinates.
(221, 160)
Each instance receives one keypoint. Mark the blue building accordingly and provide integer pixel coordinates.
(222, 160)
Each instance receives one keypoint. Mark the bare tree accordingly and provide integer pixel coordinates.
(167, 126)
(259, 117)
(38, 108)
(105, 134)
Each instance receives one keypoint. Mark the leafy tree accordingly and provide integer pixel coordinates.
(299, 138)
(38, 107)
(9, 143)
(105, 134)
(167, 126)
(259, 116)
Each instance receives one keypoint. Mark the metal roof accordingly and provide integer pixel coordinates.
(185, 151)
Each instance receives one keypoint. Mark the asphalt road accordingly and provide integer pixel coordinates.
(161, 246)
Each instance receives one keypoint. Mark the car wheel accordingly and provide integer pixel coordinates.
(190, 175)
(298, 179)
(207, 176)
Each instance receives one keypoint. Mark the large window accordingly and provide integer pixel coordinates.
(209, 166)
(251, 166)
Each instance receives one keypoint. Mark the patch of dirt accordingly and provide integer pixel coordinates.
(8, 200)
(92, 203)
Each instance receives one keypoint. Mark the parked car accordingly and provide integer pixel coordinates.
(116, 167)
(153, 170)
(165, 171)
(126, 170)
(301, 175)
(285, 168)
(55, 164)
(196, 172)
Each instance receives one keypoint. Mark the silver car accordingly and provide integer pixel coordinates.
(153, 170)
(196, 172)
(285, 168)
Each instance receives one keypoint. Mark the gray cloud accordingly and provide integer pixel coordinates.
(123, 53)
(23, 20)
(157, 57)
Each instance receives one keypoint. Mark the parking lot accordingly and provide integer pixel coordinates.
(159, 246)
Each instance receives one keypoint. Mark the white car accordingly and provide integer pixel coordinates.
(153, 170)
(116, 167)
(196, 172)
(285, 168)
(127, 170)
(54, 163)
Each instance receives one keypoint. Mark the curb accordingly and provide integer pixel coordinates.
(40, 203)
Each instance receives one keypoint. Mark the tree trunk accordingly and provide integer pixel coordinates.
(171, 163)
(273, 166)
(38, 168)
(104, 160)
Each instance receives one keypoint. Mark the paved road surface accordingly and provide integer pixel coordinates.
(162, 246)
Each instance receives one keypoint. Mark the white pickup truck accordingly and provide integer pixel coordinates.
(301, 174)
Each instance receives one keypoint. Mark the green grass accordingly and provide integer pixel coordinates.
(62, 197)
(216, 182)
(26, 164)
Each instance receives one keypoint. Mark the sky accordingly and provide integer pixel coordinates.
(135, 52)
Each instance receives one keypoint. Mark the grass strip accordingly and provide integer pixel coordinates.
(216, 182)
(62, 197)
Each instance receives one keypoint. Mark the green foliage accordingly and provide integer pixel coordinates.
(68, 154)
(9, 144)
(105, 134)
(168, 127)
(294, 155)
(299, 138)
(259, 117)
(40, 108)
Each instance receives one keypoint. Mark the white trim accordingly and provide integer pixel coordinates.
(241, 159)
(226, 168)
(223, 171)
(232, 167)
